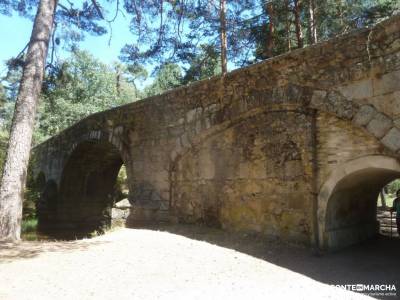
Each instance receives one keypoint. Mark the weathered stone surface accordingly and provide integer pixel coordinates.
(123, 204)
(392, 139)
(248, 151)
(339, 105)
(388, 83)
(293, 168)
(379, 125)
(118, 213)
(358, 90)
(318, 98)
(251, 165)
(333, 102)
(389, 104)
(397, 122)
(364, 115)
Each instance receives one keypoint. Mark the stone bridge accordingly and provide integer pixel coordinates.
(296, 147)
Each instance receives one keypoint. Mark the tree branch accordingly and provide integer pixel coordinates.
(98, 9)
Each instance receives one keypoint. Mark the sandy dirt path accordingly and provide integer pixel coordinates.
(148, 264)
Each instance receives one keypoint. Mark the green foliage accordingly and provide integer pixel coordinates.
(33, 189)
(260, 33)
(3, 96)
(167, 77)
(332, 17)
(166, 31)
(393, 187)
(29, 225)
(338, 17)
(204, 65)
(128, 77)
(29, 229)
(121, 185)
(81, 86)
(3, 148)
(12, 78)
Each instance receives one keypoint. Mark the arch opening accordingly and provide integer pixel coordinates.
(385, 216)
(348, 200)
(88, 188)
(39, 182)
(35, 186)
(47, 203)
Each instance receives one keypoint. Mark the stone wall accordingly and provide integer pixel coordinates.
(253, 176)
(252, 150)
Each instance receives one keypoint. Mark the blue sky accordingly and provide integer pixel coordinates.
(15, 32)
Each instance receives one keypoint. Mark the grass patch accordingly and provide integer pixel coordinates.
(29, 225)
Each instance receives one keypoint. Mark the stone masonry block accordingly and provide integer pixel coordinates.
(364, 115)
(358, 90)
(392, 139)
(332, 102)
(318, 98)
(397, 122)
(339, 105)
(379, 125)
(387, 83)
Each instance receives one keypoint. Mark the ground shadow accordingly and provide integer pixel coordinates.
(376, 261)
(373, 262)
(10, 252)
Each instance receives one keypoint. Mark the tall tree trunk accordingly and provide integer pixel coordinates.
(312, 27)
(297, 22)
(16, 163)
(383, 198)
(270, 42)
(223, 36)
(340, 11)
(118, 82)
(288, 23)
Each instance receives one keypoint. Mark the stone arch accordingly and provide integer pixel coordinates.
(366, 116)
(47, 203)
(224, 178)
(87, 186)
(186, 142)
(190, 140)
(347, 200)
(50, 194)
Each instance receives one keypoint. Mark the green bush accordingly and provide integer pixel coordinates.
(33, 189)
(394, 186)
(29, 225)
(121, 185)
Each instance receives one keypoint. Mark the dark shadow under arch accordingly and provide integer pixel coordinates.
(87, 187)
(40, 182)
(347, 201)
(47, 204)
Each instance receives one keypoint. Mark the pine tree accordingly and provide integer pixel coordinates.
(17, 158)
(34, 63)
